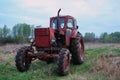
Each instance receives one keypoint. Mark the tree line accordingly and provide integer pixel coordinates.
(113, 37)
(22, 32)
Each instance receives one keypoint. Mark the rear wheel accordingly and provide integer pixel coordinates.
(63, 62)
(23, 61)
(77, 49)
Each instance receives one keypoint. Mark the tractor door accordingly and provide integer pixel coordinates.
(71, 30)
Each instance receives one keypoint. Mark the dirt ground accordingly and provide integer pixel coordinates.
(11, 48)
(97, 45)
(109, 65)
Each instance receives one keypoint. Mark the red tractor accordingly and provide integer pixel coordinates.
(60, 42)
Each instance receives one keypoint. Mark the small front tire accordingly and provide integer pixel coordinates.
(22, 60)
(63, 62)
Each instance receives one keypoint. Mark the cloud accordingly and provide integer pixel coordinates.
(21, 18)
(76, 7)
(51, 6)
(91, 15)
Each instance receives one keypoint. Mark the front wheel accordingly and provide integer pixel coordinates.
(22, 60)
(63, 62)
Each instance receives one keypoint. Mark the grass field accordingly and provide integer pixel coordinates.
(102, 62)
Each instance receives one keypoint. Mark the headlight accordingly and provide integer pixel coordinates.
(31, 40)
(53, 40)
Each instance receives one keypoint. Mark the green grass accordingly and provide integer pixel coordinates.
(41, 71)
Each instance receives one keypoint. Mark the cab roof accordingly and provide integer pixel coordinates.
(66, 16)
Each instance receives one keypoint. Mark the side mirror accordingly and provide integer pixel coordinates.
(77, 27)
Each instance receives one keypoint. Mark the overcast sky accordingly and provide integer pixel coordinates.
(96, 16)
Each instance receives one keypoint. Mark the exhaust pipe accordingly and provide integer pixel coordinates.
(58, 20)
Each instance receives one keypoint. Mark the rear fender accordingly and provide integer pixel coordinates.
(72, 35)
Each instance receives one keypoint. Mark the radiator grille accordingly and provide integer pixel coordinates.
(42, 31)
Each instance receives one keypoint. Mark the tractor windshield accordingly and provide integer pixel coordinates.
(61, 22)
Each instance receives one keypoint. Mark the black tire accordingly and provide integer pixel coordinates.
(22, 60)
(77, 49)
(63, 62)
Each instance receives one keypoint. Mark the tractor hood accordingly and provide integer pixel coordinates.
(43, 37)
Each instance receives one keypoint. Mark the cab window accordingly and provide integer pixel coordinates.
(70, 23)
(75, 23)
(61, 22)
(54, 23)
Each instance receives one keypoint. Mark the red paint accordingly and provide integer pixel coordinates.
(43, 37)
(81, 49)
(74, 33)
(67, 62)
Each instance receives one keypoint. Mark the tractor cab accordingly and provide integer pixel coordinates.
(65, 27)
(63, 24)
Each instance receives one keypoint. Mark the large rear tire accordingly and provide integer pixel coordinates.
(22, 60)
(63, 62)
(77, 49)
